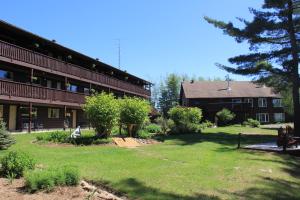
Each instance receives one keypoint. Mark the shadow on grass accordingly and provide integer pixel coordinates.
(138, 190)
(270, 189)
(223, 138)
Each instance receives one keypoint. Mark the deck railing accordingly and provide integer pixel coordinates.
(23, 90)
(24, 55)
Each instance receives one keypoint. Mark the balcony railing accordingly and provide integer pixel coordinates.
(23, 92)
(24, 55)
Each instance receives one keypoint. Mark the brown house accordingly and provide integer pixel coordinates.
(43, 84)
(245, 99)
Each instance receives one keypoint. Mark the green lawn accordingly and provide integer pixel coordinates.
(202, 166)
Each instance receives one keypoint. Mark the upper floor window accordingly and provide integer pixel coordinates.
(72, 88)
(5, 74)
(262, 117)
(86, 91)
(249, 101)
(262, 102)
(49, 83)
(236, 100)
(277, 103)
(58, 85)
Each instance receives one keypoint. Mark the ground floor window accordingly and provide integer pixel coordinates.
(279, 117)
(24, 112)
(262, 117)
(53, 113)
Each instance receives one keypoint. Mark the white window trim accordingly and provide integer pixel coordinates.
(251, 102)
(50, 114)
(282, 117)
(258, 117)
(262, 105)
(280, 104)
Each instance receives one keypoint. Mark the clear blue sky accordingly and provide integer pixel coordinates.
(157, 36)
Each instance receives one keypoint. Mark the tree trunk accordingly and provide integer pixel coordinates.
(295, 71)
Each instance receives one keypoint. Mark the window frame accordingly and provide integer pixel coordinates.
(246, 101)
(282, 117)
(275, 105)
(52, 114)
(266, 117)
(261, 103)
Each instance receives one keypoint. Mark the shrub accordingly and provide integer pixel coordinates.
(153, 128)
(102, 111)
(5, 138)
(164, 124)
(134, 112)
(16, 163)
(186, 120)
(225, 116)
(206, 124)
(49, 178)
(143, 134)
(251, 122)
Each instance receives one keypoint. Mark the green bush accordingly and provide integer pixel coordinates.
(134, 112)
(102, 111)
(206, 124)
(5, 137)
(143, 134)
(165, 124)
(56, 136)
(225, 116)
(153, 128)
(251, 122)
(186, 120)
(49, 178)
(15, 163)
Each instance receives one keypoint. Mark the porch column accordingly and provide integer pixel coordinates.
(31, 76)
(65, 117)
(30, 117)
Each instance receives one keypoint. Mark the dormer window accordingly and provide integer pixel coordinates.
(277, 103)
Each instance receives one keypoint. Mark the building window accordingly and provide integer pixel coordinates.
(277, 103)
(249, 101)
(279, 117)
(25, 112)
(86, 91)
(53, 113)
(262, 102)
(1, 112)
(72, 88)
(5, 74)
(58, 85)
(236, 100)
(262, 117)
(49, 83)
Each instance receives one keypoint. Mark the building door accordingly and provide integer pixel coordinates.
(12, 121)
(74, 117)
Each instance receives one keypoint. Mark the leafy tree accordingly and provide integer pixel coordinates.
(103, 112)
(274, 39)
(5, 138)
(133, 112)
(225, 116)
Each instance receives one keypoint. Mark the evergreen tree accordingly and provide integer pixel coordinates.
(274, 39)
(5, 138)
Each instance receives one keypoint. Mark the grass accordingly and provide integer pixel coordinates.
(202, 166)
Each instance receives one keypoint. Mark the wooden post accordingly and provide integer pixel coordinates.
(65, 117)
(66, 83)
(31, 76)
(90, 92)
(30, 117)
(239, 140)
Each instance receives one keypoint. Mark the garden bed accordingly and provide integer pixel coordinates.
(85, 190)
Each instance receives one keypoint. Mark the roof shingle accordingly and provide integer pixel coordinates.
(218, 89)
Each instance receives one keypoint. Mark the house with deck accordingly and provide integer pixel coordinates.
(245, 99)
(43, 84)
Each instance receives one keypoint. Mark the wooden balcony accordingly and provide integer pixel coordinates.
(238, 107)
(22, 56)
(13, 91)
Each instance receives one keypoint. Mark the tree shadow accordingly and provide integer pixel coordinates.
(269, 189)
(139, 190)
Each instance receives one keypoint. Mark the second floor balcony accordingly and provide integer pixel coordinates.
(15, 54)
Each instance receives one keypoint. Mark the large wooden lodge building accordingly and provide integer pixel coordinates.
(245, 99)
(43, 84)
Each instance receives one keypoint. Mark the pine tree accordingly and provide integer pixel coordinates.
(5, 138)
(274, 39)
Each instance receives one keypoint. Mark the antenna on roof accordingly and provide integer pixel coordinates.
(228, 82)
